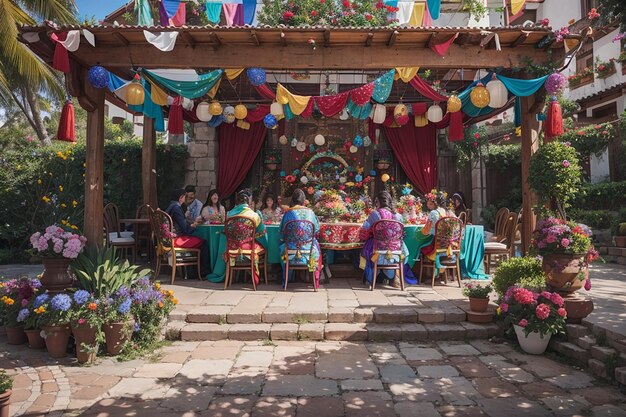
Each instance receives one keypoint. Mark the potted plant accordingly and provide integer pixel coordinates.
(15, 295)
(478, 296)
(605, 69)
(272, 159)
(55, 322)
(6, 383)
(86, 324)
(57, 247)
(620, 239)
(525, 272)
(31, 317)
(118, 320)
(534, 316)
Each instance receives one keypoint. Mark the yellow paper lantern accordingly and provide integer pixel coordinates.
(135, 94)
(241, 111)
(215, 108)
(480, 96)
(454, 104)
(242, 124)
(498, 94)
(384, 177)
(202, 112)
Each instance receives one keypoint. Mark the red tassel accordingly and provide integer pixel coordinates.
(554, 120)
(67, 128)
(175, 119)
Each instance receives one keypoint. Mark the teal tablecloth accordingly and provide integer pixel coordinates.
(472, 249)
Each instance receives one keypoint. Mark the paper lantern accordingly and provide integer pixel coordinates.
(283, 140)
(384, 177)
(242, 124)
(256, 76)
(241, 111)
(367, 141)
(304, 179)
(434, 114)
(319, 140)
(480, 96)
(215, 108)
(344, 115)
(353, 149)
(400, 110)
(498, 94)
(229, 114)
(216, 121)
(277, 109)
(294, 142)
(301, 146)
(454, 104)
(135, 93)
(98, 76)
(270, 121)
(379, 113)
(358, 177)
(202, 112)
(555, 83)
(343, 180)
(358, 141)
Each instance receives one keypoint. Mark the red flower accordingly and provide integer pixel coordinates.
(604, 132)
(475, 144)
(380, 5)
(368, 16)
(346, 4)
(581, 132)
(476, 135)
(322, 1)
(292, 5)
(598, 127)
(313, 13)
(287, 15)
(601, 68)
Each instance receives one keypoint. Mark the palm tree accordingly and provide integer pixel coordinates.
(23, 76)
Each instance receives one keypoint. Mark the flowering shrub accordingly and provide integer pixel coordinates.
(86, 310)
(554, 235)
(622, 57)
(56, 310)
(541, 312)
(578, 77)
(474, 142)
(15, 295)
(6, 382)
(474, 290)
(116, 307)
(589, 139)
(56, 242)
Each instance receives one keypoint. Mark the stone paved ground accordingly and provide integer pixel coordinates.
(231, 378)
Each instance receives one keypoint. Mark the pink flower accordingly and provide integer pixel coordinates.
(523, 296)
(565, 242)
(504, 307)
(81, 321)
(566, 163)
(557, 299)
(523, 323)
(587, 284)
(24, 302)
(562, 312)
(546, 294)
(542, 311)
(550, 238)
(568, 143)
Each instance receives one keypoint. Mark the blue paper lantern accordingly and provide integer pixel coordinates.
(98, 76)
(358, 177)
(256, 76)
(283, 174)
(270, 121)
(358, 141)
(373, 173)
(215, 121)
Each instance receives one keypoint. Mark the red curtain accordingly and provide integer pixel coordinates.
(416, 150)
(238, 148)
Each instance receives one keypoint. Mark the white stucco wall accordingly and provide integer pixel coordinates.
(114, 111)
(558, 11)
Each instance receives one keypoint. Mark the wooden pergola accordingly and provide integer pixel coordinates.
(122, 48)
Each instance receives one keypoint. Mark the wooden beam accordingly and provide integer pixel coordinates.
(392, 38)
(486, 40)
(431, 41)
(121, 38)
(326, 38)
(463, 39)
(530, 144)
(148, 163)
(188, 39)
(217, 42)
(520, 39)
(370, 38)
(283, 39)
(94, 166)
(255, 38)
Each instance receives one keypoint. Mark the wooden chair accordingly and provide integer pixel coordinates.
(388, 237)
(463, 217)
(449, 233)
(298, 235)
(114, 235)
(499, 234)
(165, 250)
(241, 251)
(502, 250)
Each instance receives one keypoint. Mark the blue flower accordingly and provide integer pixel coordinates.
(137, 327)
(81, 297)
(124, 306)
(40, 300)
(122, 292)
(21, 316)
(61, 302)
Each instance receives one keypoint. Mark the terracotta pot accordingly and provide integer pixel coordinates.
(566, 273)
(5, 400)
(620, 241)
(116, 334)
(479, 305)
(533, 343)
(84, 334)
(15, 335)
(577, 308)
(35, 341)
(56, 275)
(56, 339)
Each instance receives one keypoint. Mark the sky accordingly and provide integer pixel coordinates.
(97, 8)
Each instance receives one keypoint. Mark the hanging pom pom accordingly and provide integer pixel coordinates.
(67, 127)
(554, 119)
(555, 83)
(256, 76)
(98, 76)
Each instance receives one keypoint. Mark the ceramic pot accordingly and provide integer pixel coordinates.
(566, 273)
(620, 241)
(15, 335)
(35, 341)
(5, 400)
(56, 339)
(116, 334)
(533, 343)
(479, 305)
(85, 335)
(56, 275)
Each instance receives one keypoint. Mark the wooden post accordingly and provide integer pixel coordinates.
(530, 144)
(148, 163)
(93, 102)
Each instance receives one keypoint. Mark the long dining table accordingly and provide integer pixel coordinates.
(341, 236)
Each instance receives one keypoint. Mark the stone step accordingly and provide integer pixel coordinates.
(570, 350)
(586, 342)
(575, 331)
(336, 331)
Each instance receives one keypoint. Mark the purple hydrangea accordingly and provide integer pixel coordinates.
(124, 306)
(41, 300)
(137, 327)
(122, 292)
(61, 302)
(21, 316)
(81, 297)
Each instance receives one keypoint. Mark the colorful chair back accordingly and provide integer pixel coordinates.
(448, 234)
(239, 231)
(388, 235)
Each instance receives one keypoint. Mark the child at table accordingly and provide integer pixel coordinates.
(213, 211)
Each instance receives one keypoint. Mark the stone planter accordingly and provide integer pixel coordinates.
(566, 273)
(533, 343)
(116, 334)
(56, 339)
(578, 307)
(35, 341)
(620, 241)
(15, 335)
(5, 400)
(85, 335)
(56, 275)
(479, 305)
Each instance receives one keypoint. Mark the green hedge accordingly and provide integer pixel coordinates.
(599, 219)
(601, 196)
(43, 185)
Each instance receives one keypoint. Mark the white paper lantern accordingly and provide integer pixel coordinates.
(498, 94)
(294, 142)
(202, 112)
(320, 140)
(229, 114)
(304, 179)
(344, 115)
(301, 146)
(343, 180)
(283, 140)
(367, 141)
(353, 149)
(379, 113)
(277, 110)
(435, 114)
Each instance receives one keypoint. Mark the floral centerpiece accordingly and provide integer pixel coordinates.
(605, 68)
(478, 296)
(330, 206)
(410, 207)
(535, 316)
(358, 209)
(16, 294)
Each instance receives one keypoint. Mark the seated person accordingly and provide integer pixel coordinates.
(297, 211)
(184, 231)
(458, 201)
(384, 211)
(270, 210)
(213, 211)
(194, 206)
(436, 206)
(242, 209)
